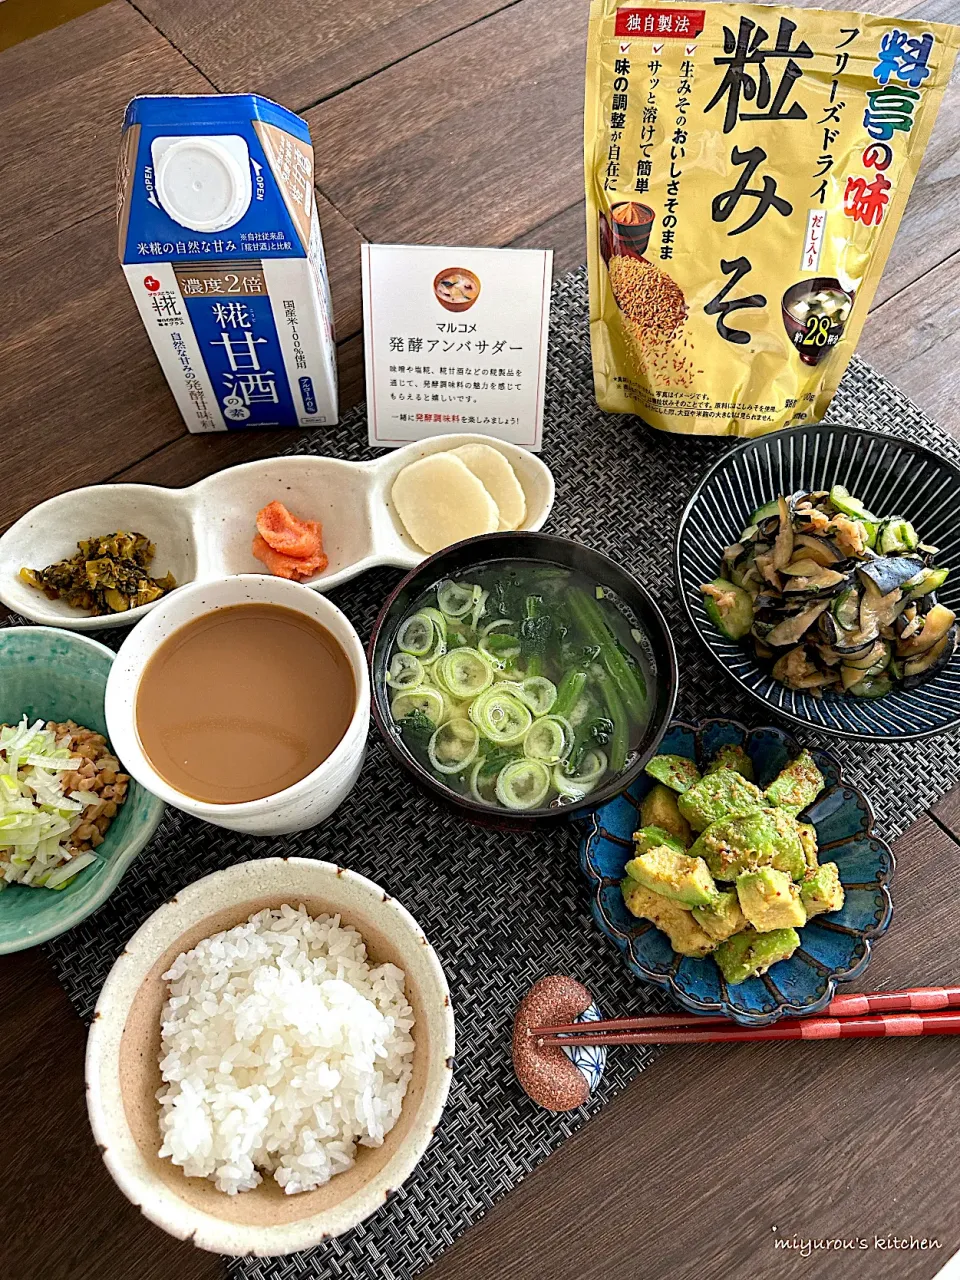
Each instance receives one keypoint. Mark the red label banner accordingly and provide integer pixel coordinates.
(658, 24)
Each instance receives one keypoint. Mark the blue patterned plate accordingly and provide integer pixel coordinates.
(833, 948)
(888, 475)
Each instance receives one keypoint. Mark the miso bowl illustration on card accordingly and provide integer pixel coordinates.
(456, 288)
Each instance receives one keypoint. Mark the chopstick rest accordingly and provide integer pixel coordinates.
(556, 1077)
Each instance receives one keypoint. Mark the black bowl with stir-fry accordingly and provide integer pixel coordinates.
(521, 677)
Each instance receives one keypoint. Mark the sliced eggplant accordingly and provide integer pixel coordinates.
(936, 624)
(802, 568)
(877, 656)
(796, 670)
(890, 573)
(877, 608)
(928, 664)
(790, 630)
(823, 550)
(822, 583)
(783, 547)
(834, 597)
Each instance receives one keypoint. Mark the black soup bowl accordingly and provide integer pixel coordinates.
(481, 553)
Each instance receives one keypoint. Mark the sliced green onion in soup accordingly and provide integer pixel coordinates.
(576, 785)
(525, 784)
(501, 624)
(456, 599)
(479, 607)
(465, 672)
(538, 693)
(405, 671)
(441, 626)
(500, 716)
(454, 746)
(426, 699)
(548, 739)
(417, 635)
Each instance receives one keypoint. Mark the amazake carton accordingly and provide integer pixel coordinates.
(221, 247)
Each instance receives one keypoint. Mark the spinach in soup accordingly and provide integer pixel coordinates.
(519, 685)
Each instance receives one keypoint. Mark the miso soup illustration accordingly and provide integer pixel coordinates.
(815, 314)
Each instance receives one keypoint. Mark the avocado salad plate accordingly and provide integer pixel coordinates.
(751, 856)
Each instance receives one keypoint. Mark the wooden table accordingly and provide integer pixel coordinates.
(416, 111)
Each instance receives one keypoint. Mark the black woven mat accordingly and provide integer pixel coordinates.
(504, 909)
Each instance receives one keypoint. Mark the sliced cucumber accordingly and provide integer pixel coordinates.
(768, 509)
(849, 505)
(729, 608)
(896, 535)
(926, 582)
(872, 686)
(846, 609)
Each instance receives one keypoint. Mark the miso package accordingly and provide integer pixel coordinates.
(746, 170)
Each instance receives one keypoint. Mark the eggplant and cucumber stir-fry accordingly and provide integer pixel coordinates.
(519, 685)
(833, 598)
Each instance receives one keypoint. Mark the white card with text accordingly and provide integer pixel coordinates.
(455, 340)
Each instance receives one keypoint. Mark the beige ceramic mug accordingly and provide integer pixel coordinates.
(295, 808)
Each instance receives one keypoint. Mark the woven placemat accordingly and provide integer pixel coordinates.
(503, 909)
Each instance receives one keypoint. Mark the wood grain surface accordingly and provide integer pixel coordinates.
(450, 121)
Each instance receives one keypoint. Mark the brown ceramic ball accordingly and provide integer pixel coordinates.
(545, 1072)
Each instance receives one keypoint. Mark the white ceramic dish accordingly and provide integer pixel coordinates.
(295, 808)
(206, 531)
(123, 1074)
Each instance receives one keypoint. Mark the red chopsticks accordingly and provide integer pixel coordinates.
(920, 1011)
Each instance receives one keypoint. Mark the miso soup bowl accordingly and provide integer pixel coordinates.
(532, 549)
(295, 808)
(123, 1056)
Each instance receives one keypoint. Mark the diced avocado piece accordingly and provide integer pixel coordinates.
(808, 838)
(732, 757)
(796, 786)
(676, 772)
(719, 795)
(659, 809)
(686, 936)
(748, 954)
(821, 890)
(789, 854)
(677, 877)
(770, 900)
(763, 837)
(724, 918)
(648, 838)
(728, 607)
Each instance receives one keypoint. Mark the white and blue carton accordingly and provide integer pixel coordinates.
(221, 246)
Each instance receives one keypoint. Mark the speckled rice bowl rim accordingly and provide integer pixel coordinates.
(123, 1074)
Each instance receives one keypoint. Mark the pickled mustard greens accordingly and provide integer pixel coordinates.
(739, 891)
(105, 575)
(519, 685)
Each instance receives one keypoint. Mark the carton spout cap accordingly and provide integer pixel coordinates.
(203, 185)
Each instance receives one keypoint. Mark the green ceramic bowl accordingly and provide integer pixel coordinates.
(61, 675)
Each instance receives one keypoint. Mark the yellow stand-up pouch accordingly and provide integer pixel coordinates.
(746, 170)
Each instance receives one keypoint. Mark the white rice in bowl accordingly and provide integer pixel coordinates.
(283, 1047)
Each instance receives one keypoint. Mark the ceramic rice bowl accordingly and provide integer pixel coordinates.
(123, 1073)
